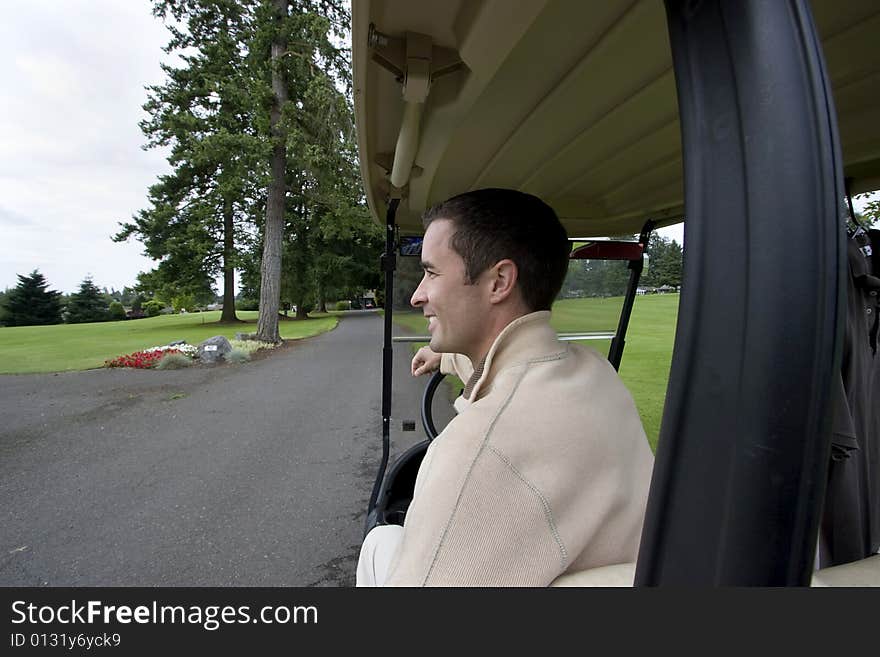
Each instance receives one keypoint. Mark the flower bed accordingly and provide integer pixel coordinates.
(185, 349)
(149, 358)
(143, 360)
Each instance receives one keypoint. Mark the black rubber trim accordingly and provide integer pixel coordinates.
(740, 471)
(388, 265)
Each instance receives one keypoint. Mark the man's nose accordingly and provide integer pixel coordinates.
(418, 298)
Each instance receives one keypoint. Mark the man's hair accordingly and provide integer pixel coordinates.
(493, 224)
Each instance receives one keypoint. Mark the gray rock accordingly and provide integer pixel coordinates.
(214, 349)
(176, 342)
(245, 336)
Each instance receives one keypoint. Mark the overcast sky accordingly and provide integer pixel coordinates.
(71, 164)
(73, 74)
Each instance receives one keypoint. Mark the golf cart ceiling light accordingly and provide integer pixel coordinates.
(415, 63)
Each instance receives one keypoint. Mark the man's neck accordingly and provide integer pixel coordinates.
(499, 322)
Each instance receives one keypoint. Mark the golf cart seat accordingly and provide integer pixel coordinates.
(616, 575)
(865, 572)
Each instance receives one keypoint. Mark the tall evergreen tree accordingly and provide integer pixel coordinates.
(260, 124)
(206, 113)
(270, 267)
(87, 305)
(31, 303)
(665, 264)
(327, 233)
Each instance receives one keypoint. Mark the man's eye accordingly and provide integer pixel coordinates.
(430, 274)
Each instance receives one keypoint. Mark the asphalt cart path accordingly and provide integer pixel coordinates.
(236, 475)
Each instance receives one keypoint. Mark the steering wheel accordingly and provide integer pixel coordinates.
(427, 404)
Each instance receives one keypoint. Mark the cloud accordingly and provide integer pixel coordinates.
(71, 162)
(10, 219)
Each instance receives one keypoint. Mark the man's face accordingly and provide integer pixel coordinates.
(456, 311)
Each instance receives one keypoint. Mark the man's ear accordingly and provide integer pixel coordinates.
(503, 276)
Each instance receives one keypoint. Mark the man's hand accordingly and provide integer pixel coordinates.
(425, 360)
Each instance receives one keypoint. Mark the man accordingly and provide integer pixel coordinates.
(545, 470)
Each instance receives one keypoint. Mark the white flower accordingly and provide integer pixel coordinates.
(186, 349)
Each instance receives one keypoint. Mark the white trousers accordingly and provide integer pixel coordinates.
(378, 550)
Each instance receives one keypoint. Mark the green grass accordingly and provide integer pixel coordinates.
(646, 358)
(582, 315)
(647, 355)
(64, 347)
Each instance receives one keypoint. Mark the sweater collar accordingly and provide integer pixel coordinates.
(524, 339)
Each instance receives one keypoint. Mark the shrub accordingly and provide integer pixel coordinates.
(343, 305)
(117, 312)
(250, 346)
(153, 308)
(173, 360)
(247, 304)
(183, 302)
(238, 356)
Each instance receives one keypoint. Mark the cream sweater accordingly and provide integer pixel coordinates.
(544, 471)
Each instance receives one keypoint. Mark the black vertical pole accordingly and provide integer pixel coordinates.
(618, 342)
(739, 478)
(389, 264)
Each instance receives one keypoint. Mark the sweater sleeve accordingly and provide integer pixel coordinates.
(457, 364)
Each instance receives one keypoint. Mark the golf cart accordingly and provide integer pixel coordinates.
(751, 122)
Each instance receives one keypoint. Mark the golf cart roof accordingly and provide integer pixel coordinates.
(572, 101)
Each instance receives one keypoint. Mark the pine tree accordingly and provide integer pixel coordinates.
(270, 265)
(328, 242)
(31, 303)
(265, 166)
(665, 266)
(87, 305)
(200, 213)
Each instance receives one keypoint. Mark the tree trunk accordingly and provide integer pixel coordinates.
(322, 301)
(270, 267)
(228, 314)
